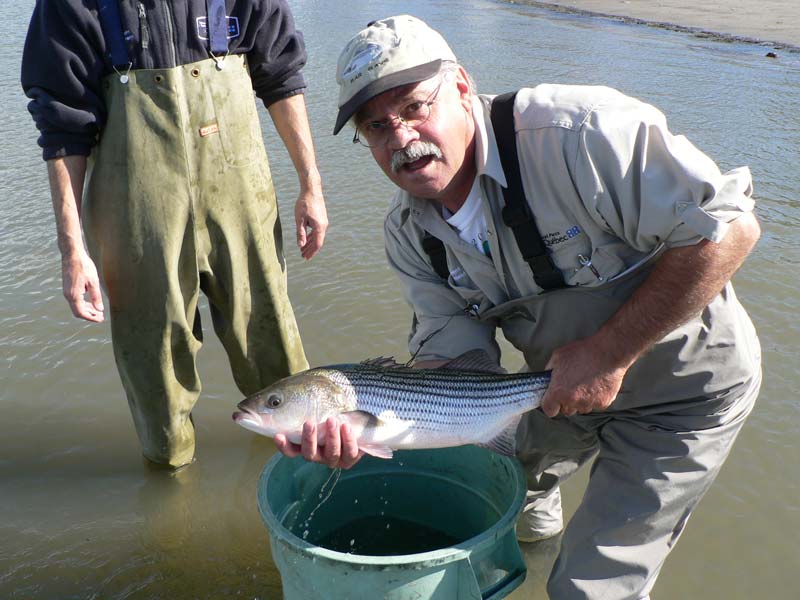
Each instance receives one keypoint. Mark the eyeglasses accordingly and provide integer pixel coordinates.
(376, 133)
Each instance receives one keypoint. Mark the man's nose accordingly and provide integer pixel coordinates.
(400, 135)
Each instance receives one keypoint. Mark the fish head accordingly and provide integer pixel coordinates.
(285, 405)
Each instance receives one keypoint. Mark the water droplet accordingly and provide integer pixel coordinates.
(123, 79)
(353, 541)
(305, 534)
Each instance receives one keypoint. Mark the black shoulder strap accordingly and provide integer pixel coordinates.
(434, 248)
(516, 213)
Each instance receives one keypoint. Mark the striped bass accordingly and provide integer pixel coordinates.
(392, 407)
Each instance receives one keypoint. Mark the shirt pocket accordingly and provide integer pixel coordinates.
(584, 266)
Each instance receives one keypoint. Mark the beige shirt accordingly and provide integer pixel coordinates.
(606, 181)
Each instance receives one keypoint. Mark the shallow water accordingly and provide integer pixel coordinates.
(83, 516)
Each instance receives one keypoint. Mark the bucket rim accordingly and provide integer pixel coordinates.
(281, 534)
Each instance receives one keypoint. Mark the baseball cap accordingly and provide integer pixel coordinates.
(386, 54)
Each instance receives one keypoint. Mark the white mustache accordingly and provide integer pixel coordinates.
(414, 151)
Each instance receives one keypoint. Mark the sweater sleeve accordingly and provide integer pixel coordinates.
(277, 53)
(62, 69)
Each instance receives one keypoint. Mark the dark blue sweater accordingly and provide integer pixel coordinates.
(64, 60)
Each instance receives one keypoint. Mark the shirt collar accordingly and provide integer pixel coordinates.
(487, 157)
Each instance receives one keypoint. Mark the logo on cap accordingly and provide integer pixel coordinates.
(362, 58)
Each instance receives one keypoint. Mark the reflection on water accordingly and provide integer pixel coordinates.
(83, 517)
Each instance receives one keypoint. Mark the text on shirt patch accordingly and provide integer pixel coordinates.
(458, 274)
(556, 237)
(233, 28)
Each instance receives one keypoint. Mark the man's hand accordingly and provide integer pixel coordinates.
(79, 278)
(587, 374)
(78, 272)
(339, 452)
(581, 382)
(311, 219)
(291, 122)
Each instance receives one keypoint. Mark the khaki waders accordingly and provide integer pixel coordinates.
(657, 449)
(179, 199)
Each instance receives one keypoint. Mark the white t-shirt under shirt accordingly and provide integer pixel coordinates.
(470, 221)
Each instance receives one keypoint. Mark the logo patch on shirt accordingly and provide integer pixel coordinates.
(233, 27)
(207, 130)
(458, 274)
(556, 237)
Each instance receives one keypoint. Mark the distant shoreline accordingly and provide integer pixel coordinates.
(746, 21)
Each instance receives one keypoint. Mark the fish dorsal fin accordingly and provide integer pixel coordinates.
(474, 360)
(387, 362)
(505, 442)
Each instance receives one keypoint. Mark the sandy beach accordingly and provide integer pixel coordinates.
(772, 22)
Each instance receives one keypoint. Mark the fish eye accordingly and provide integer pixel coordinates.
(274, 401)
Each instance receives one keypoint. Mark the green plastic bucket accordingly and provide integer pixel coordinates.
(432, 525)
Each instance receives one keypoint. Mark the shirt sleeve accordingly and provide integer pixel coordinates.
(277, 53)
(62, 70)
(648, 186)
(440, 328)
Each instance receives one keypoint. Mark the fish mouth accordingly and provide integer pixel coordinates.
(246, 414)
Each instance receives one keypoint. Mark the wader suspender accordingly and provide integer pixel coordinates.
(111, 24)
(516, 212)
(117, 49)
(217, 26)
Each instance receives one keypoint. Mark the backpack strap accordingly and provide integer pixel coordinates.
(516, 213)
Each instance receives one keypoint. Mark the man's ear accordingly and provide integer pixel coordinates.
(464, 88)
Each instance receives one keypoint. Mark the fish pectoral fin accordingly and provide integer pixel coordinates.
(361, 419)
(376, 450)
(505, 442)
(474, 360)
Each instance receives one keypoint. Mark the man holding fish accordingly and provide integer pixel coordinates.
(613, 273)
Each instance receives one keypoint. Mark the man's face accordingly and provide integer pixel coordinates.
(445, 175)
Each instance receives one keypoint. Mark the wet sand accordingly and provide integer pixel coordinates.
(774, 23)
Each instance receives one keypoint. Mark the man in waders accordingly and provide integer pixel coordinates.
(177, 196)
(603, 246)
